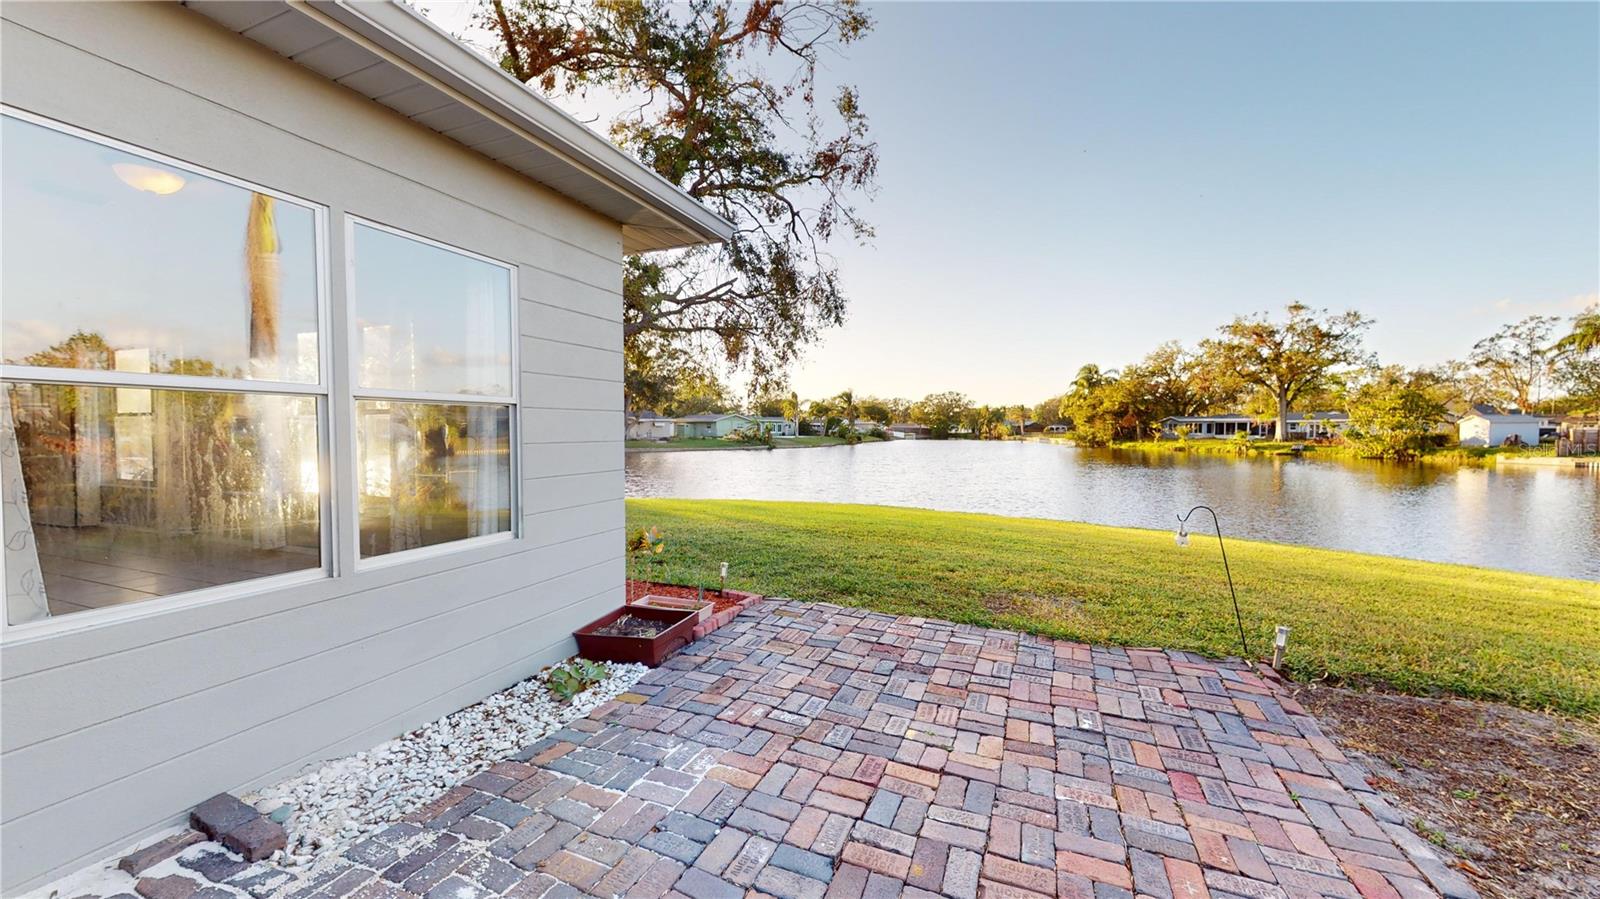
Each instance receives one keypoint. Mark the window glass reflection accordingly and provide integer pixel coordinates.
(429, 319)
(431, 473)
(135, 493)
(112, 261)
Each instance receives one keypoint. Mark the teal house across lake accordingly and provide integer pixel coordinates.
(713, 424)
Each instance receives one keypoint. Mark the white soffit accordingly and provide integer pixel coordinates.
(393, 55)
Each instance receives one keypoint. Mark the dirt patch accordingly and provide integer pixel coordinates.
(719, 602)
(1516, 794)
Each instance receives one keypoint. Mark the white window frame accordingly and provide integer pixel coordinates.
(320, 391)
(357, 393)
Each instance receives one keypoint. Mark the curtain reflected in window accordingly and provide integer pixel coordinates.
(136, 493)
(431, 473)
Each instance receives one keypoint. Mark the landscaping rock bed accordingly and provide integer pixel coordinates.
(345, 799)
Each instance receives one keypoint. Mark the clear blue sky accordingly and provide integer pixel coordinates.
(1071, 183)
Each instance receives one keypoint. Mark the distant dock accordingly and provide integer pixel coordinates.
(1551, 461)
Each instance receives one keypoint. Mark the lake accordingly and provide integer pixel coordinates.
(1539, 520)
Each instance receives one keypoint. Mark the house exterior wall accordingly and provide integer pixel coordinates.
(111, 729)
(652, 429)
(1479, 431)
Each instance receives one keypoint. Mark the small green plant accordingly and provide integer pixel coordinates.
(569, 680)
(755, 435)
(1429, 833)
(1464, 795)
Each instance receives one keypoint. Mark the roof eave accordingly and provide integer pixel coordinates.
(562, 152)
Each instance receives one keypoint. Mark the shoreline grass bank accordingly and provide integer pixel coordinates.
(1449, 455)
(1418, 627)
(685, 444)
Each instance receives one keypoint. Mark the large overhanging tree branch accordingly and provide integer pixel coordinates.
(723, 103)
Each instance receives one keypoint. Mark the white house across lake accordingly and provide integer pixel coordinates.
(312, 343)
(1302, 425)
(1489, 427)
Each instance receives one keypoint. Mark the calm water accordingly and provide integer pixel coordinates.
(1540, 520)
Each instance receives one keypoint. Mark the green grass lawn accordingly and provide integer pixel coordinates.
(1420, 627)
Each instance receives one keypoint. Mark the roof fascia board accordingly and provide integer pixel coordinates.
(408, 40)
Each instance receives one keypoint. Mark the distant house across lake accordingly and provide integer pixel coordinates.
(712, 424)
(781, 427)
(909, 431)
(1302, 425)
(647, 425)
(1488, 426)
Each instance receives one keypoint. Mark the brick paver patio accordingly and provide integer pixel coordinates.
(810, 750)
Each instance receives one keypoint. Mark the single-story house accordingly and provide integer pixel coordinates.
(1485, 426)
(1205, 427)
(1028, 427)
(1302, 425)
(313, 364)
(647, 425)
(713, 424)
(908, 431)
(781, 427)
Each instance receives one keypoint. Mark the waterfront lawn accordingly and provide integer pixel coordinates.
(1419, 627)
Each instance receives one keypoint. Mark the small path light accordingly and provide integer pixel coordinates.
(1280, 642)
(724, 587)
(1182, 539)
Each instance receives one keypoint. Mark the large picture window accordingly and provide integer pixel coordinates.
(435, 391)
(162, 339)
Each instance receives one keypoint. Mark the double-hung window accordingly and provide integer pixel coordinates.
(163, 339)
(433, 375)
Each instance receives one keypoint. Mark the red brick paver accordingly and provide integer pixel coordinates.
(810, 750)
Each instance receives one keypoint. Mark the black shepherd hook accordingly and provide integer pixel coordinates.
(1183, 540)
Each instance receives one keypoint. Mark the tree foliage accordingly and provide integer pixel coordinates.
(1516, 358)
(942, 413)
(724, 104)
(1393, 412)
(1287, 358)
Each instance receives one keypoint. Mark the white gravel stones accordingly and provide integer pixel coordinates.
(345, 799)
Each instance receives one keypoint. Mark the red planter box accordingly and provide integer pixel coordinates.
(677, 633)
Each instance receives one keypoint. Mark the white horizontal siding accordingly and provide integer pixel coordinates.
(561, 392)
(543, 319)
(544, 356)
(113, 730)
(556, 459)
(570, 425)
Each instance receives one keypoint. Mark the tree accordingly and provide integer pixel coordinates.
(664, 377)
(1289, 358)
(1392, 413)
(790, 408)
(899, 409)
(1020, 414)
(1048, 412)
(1585, 336)
(985, 422)
(1576, 361)
(723, 102)
(941, 412)
(876, 410)
(1516, 358)
(848, 408)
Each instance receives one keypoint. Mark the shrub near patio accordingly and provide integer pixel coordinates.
(1418, 627)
